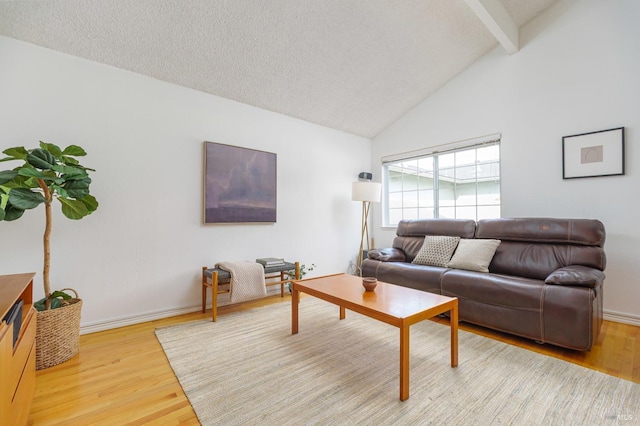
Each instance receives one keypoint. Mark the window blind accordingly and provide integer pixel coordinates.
(446, 147)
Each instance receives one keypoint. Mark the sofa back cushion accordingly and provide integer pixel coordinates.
(410, 233)
(535, 247)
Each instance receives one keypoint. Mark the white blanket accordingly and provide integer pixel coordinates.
(247, 280)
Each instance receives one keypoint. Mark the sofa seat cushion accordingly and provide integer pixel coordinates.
(494, 289)
(504, 303)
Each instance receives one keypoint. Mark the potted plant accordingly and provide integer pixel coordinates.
(46, 174)
(304, 270)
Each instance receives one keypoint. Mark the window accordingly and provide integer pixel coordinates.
(461, 183)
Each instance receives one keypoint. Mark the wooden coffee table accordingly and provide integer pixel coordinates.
(392, 304)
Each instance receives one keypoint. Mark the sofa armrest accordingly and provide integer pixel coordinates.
(576, 275)
(387, 255)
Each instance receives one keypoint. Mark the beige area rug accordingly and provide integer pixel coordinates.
(248, 369)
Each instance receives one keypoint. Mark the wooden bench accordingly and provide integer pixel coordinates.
(213, 277)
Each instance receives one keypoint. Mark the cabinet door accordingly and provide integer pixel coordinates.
(23, 349)
(21, 404)
(6, 343)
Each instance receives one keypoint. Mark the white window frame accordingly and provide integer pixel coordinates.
(436, 152)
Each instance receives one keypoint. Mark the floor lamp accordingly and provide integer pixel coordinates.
(368, 192)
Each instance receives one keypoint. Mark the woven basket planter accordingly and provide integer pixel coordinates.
(58, 333)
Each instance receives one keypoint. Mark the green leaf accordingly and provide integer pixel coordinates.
(90, 202)
(77, 188)
(4, 199)
(22, 182)
(70, 172)
(76, 193)
(59, 293)
(24, 199)
(54, 149)
(69, 160)
(74, 150)
(16, 153)
(41, 159)
(7, 175)
(73, 209)
(37, 174)
(29, 171)
(41, 306)
(51, 174)
(12, 213)
(69, 169)
(60, 191)
(56, 300)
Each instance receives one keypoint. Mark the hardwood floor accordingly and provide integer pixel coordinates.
(122, 376)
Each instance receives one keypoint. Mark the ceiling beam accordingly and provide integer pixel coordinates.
(496, 18)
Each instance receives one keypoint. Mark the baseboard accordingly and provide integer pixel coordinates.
(151, 316)
(621, 317)
(135, 319)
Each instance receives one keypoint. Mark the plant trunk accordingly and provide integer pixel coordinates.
(46, 242)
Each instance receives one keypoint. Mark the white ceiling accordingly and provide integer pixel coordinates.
(353, 65)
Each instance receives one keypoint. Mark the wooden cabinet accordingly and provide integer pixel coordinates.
(17, 361)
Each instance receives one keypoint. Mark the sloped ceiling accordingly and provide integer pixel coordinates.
(353, 65)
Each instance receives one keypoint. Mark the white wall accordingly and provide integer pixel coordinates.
(577, 71)
(140, 254)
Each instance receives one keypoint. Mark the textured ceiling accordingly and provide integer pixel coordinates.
(353, 65)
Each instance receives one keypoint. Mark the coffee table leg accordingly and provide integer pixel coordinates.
(454, 334)
(404, 362)
(295, 298)
(342, 313)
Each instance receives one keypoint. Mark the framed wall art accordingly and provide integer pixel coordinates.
(239, 184)
(593, 154)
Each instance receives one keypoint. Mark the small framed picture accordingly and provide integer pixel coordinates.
(593, 154)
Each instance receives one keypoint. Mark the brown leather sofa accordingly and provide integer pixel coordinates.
(545, 281)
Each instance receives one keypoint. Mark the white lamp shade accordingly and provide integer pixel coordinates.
(366, 191)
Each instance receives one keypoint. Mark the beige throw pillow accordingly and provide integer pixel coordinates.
(474, 255)
(436, 250)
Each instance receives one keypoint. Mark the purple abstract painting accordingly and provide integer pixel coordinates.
(239, 184)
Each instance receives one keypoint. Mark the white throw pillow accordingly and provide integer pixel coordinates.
(474, 254)
(436, 250)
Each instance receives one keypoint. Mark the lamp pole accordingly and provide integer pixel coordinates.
(366, 192)
(364, 235)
